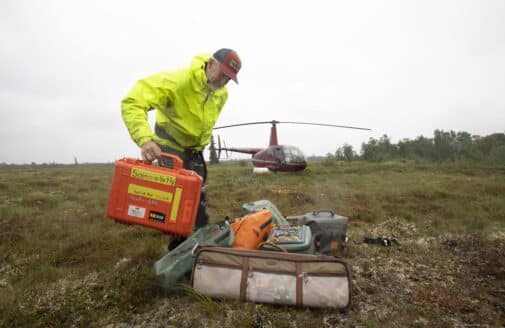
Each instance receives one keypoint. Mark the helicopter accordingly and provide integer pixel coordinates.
(275, 157)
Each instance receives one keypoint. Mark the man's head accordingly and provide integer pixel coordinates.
(221, 67)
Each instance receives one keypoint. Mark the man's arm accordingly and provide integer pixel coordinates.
(146, 94)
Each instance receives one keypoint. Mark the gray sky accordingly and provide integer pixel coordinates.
(403, 68)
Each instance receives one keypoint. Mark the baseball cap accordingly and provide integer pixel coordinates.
(230, 62)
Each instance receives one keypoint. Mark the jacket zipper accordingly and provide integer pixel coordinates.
(203, 114)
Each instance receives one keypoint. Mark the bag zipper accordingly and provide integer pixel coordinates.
(272, 254)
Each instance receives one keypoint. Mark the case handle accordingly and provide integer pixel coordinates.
(175, 159)
(315, 213)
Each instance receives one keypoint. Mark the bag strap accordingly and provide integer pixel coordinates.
(299, 284)
(243, 278)
(266, 223)
(269, 243)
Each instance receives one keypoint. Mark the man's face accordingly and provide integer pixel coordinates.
(215, 77)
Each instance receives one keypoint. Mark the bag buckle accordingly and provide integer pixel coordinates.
(199, 264)
(304, 276)
(193, 250)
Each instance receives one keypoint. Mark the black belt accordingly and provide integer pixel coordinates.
(190, 154)
(164, 135)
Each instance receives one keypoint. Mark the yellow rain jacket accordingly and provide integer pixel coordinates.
(186, 108)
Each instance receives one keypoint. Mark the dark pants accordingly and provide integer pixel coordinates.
(193, 161)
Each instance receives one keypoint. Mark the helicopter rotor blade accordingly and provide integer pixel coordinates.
(333, 125)
(240, 124)
(292, 122)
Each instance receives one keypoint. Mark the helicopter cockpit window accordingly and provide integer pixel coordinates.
(293, 155)
(277, 154)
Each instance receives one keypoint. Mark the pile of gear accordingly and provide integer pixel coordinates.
(265, 257)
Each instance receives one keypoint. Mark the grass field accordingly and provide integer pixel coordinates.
(62, 263)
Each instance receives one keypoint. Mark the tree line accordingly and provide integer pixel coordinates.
(444, 146)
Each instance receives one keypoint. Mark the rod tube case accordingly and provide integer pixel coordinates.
(272, 277)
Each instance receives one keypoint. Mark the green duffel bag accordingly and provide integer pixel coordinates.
(172, 267)
(265, 204)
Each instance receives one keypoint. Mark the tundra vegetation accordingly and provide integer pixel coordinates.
(63, 263)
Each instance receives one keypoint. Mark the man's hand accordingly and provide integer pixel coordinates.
(150, 151)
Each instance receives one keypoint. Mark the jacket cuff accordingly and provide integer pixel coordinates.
(143, 140)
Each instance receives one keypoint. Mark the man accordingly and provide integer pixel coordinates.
(188, 102)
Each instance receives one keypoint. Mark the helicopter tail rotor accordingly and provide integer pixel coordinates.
(219, 148)
(226, 150)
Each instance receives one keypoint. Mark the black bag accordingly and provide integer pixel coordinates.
(328, 230)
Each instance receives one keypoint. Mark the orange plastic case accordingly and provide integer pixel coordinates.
(157, 197)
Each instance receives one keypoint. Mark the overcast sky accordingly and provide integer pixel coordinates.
(402, 68)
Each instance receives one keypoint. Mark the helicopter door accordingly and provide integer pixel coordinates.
(279, 155)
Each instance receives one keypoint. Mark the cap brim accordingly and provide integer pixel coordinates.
(229, 72)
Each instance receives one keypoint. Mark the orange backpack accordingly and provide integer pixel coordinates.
(252, 229)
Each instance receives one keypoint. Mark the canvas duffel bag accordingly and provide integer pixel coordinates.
(272, 277)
